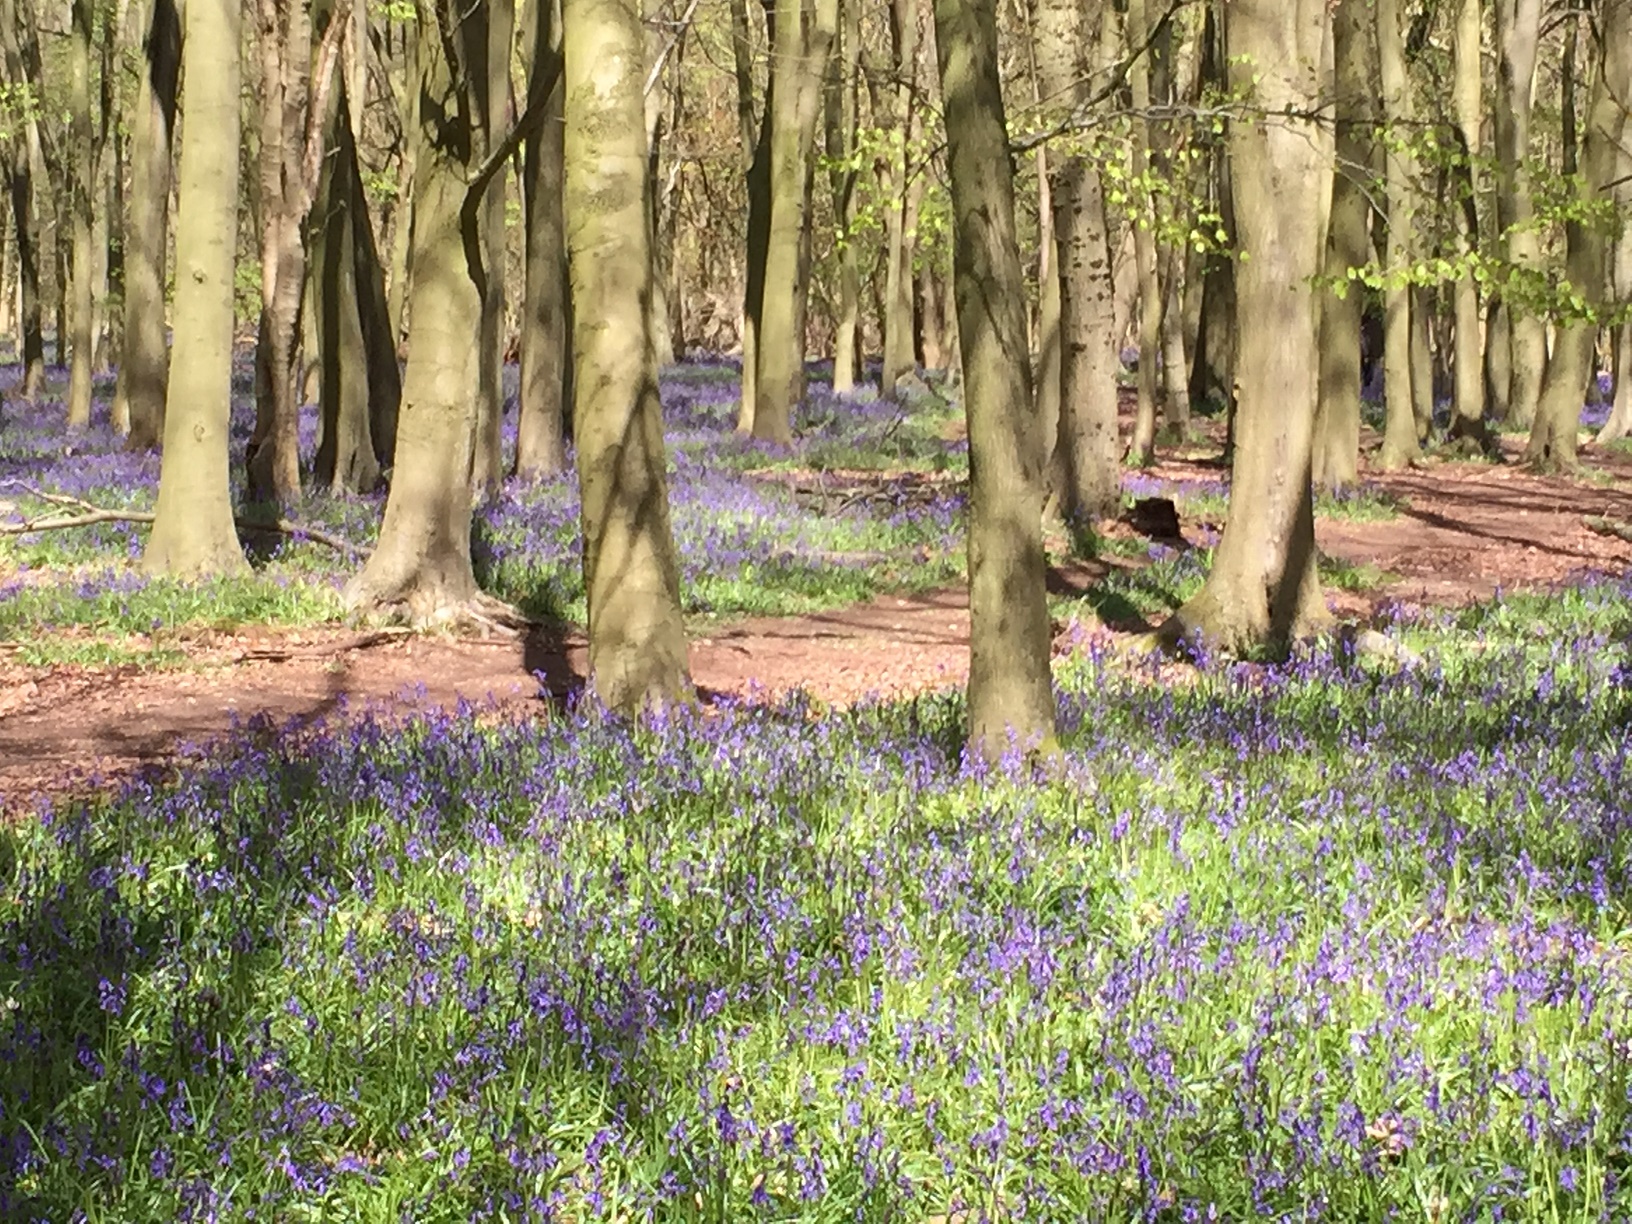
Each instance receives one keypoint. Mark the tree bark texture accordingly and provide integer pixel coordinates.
(81, 175)
(637, 643)
(194, 533)
(1264, 587)
(1400, 438)
(1518, 35)
(1011, 700)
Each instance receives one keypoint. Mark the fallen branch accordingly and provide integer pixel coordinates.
(94, 514)
(1610, 527)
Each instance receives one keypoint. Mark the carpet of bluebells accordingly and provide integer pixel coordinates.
(1321, 940)
(747, 545)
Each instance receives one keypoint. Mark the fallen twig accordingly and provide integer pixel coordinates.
(94, 514)
(1609, 527)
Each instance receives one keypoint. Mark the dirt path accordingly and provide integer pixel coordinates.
(1466, 530)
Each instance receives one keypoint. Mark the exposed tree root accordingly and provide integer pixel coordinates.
(1609, 527)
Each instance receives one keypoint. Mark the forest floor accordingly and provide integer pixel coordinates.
(1456, 532)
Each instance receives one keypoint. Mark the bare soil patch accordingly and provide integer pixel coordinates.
(1465, 531)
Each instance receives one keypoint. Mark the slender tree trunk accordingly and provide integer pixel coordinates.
(1264, 586)
(81, 175)
(25, 166)
(1011, 700)
(1468, 402)
(421, 566)
(1045, 338)
(1083, 475)
(403, 230)
(1142, 446)
(1401, 446)
(1518, 34)
(496, 104)
(901, 217)
(1554, 438)
(1619, 423)
(193, 533)
(756, 145)
(144, 368)
(1337, 414)
(545, 339)
(841, 120)
(637, 642)
(800, 55)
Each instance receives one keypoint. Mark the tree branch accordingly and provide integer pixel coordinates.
(92, 514)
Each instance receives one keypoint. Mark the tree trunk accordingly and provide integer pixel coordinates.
(1011, 700)
(841, 120)
(1401, 446)
(1468, 401)
(1084, 479)
(1337, 414)
(81, 175)
(756, 146)
(1553, 440)
(421, 566)
(495, 103)
(1518, 33)
(1045, 336)
(26, 165)
(545, 366)
(1142, 446)
(637, 642)
(144, 368)
(193, 531)
(272, 460)
(1264, 587)
(403, 226)
(901, 189)
(800, 54)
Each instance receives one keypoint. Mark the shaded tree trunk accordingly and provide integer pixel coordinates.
(637, 642)
(193, 531)
(901, 190)
(1336, 462)
(1011, 700)
(1264, 587)
(495, 103)
(25, 163)
(545, 338)
(1142, 446)
(756, 145)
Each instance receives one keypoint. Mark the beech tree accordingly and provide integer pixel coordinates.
(1263, 586)
(193, 532)
(637, 642)
(1011, 698)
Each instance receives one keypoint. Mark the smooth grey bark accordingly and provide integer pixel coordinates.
(1336, 463)
(1468, 400)
(1517, 35)
(637, 642)
(193, 531)
(1264, 587)
(1011, 699)
(841, 119)
(546, 366)
(1401, 440)
(81, 175)
(495, 103)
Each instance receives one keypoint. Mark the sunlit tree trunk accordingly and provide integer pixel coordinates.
(901, 199)
(193, 533)
(755, 134)
(1400, 438)
(421, 566)
(1468, 402)
(1518, 34)
(637, 642)
(81, 168)
(1083, 475)
(1554, 437)
(803, 35)
(1264, 587)
(1011, 700)
(841, 120)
